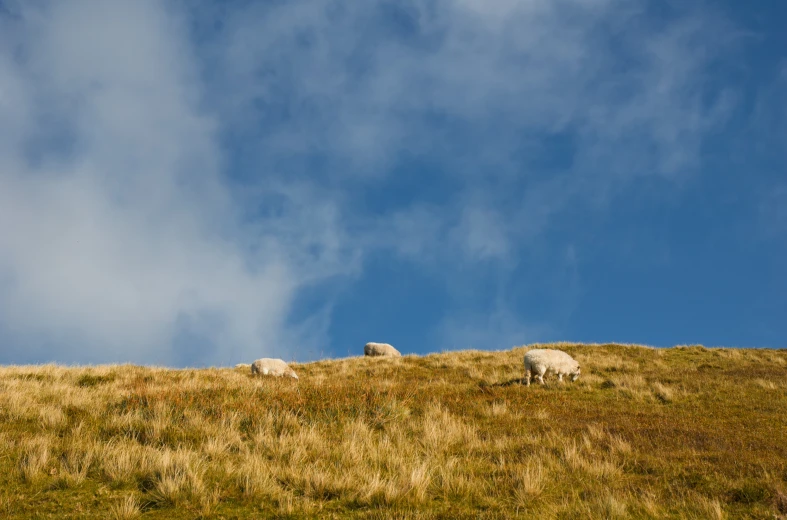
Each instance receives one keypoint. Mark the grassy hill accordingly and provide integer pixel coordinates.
(684, 432)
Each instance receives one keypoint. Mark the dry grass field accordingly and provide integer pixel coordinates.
(684, 432)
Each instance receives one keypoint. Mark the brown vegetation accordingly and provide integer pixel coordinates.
(685, 432)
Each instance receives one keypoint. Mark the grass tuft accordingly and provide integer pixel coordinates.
(126, 509)
(780, 502)
(90, 380)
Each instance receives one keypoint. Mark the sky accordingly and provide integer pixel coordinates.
(204, 183)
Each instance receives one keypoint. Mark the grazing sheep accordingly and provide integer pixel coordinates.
(242, 365)
(380, 349)
(272, 367)
(540, 361)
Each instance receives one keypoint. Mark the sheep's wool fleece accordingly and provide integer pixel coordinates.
(380, 349)
(272, 367)
(556, 360)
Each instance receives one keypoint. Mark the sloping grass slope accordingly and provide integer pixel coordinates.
(685, 432)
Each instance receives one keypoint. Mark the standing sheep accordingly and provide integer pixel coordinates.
(272, 367)
(541, 361)
(380, 349)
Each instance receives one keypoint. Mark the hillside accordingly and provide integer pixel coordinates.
(684, 432)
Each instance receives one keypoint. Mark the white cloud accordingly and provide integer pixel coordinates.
(496, 76)
(114, 248)
(495, 329)
(482, 233)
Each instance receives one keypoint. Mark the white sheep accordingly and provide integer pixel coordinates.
(242, 365)
(272, 367)
(540, 361)
(380, 349)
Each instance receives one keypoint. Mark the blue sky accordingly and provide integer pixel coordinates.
(206, 183)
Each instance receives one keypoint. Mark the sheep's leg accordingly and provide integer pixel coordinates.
(527, 377)
(540, 377)
(560, 377)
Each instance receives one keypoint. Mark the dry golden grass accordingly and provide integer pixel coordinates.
(686, 432)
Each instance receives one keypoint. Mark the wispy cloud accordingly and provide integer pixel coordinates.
(174, 177)
(119, 235)
(477, 92)
(494, 329)
(773, 212)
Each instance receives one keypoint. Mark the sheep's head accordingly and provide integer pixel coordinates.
(575, 374)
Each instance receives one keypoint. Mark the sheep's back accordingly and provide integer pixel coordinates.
(275, 367)
(380, 349)
(550, 358)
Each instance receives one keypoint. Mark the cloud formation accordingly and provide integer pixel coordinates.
(119, 234)
(174, 178)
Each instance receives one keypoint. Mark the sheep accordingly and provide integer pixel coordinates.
(541, 361)
(242, 365)
(272, 367)
(380, 349)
